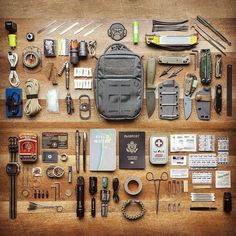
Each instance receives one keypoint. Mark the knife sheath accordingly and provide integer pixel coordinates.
(151, 72)
(150, 90)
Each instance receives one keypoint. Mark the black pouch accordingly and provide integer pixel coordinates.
(119, 83)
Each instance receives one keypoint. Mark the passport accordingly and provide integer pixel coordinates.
(132, 150)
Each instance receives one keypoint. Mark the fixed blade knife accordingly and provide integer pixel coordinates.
(187, 106)
(150, 90)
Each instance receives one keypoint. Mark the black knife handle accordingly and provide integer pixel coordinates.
(218, 98)
(93, 207)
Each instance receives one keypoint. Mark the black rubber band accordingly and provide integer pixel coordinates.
(32, 96)
(13, 68)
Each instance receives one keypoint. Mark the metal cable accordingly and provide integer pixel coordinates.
(115, 185)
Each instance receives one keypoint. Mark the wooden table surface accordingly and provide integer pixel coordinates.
(30, 16)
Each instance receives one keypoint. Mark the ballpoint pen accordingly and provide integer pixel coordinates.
(84, 150)
(77, 149)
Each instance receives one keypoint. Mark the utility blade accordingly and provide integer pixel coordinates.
(165, 72)
(150, 101)
(187, 107)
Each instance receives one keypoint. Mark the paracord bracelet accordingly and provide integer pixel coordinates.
(133, 217)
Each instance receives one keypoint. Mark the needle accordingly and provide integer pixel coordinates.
(69, 28)
(47, 26)
(55, 28)
(82, 28)
(92, 30)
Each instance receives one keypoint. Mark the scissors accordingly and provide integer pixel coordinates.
(157, 183)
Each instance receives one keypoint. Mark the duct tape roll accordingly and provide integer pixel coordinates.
(137, 181)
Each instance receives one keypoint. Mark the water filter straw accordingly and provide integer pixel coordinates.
(135, 32)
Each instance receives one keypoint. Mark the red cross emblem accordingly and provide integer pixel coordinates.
(158, 142)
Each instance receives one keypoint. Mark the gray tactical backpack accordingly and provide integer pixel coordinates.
(119, 83)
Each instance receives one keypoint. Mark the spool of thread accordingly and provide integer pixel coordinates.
(74, 56)
(83, 49)
(12, 40)
(135, 32)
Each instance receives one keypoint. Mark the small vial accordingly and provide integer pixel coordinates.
(135, 32)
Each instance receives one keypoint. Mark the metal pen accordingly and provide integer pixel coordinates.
(67, 69)
(203, 208)
(84, 150)
(77, 149)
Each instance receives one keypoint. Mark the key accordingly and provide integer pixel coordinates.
(34, 206)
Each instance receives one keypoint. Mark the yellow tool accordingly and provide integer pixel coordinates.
(173, 43)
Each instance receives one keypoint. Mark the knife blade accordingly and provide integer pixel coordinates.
(150, 90)
(187, 107)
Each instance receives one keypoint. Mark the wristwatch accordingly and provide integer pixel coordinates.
(13, 169)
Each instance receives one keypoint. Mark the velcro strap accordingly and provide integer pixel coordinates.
(32, 96)
(203, 98)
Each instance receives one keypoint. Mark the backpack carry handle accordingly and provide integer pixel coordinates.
(116, 47)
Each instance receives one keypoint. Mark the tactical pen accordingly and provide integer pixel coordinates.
(84, 150)
(77, 149)
(203, 208)
(80, 197)
(67, 69)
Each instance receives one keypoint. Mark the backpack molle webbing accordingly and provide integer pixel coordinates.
(119, 83)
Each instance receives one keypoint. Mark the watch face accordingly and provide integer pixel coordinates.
(13, 168)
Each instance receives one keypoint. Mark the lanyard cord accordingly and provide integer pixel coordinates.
(32, 106)
(13, 76)
(115, 185)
